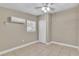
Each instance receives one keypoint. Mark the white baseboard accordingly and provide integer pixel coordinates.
(27, 44)
(18, 47)
(59, 43)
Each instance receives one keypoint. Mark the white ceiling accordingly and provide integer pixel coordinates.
(30, 7)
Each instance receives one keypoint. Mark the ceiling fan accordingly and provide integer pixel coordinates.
(46, 7)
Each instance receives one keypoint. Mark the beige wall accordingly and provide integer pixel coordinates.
(11, 35)
(64, 26)
(48, 27)
(77, 26)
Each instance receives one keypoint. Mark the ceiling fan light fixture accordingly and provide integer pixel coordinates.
(45, 9)
(48, 9)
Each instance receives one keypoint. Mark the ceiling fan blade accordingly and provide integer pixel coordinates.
(51, 3)
(45, 4)
(52, 8)
(38, 7)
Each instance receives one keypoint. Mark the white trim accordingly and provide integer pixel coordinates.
(27, 44)
(59, 43)
(18, 47)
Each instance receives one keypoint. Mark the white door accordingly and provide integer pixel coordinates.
(42, 31)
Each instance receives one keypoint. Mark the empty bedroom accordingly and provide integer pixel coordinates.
(39, 29)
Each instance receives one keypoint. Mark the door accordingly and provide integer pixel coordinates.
(42, 31)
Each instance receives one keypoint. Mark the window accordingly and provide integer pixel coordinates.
(31, 26)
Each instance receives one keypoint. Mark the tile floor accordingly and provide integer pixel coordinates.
(40, 49)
